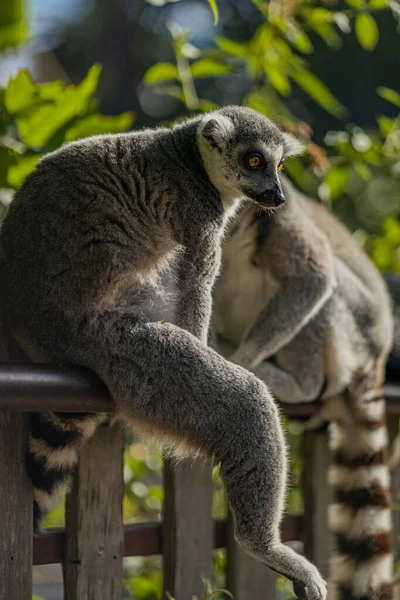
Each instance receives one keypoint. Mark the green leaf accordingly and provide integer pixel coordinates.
(389, 95)
(37, 128)
(357, 4)
(278, 80)
(53, 90)
(17, 173)
(318, 91)
(385, 125)
(231, 47)
(336, 180)
(207, 105)
(161, 72)
(214, 8)
(12, 23)
(377, 4)
(97, 124)
(207, 67)
(21, 93)
(7, 159)
(296, 36)
(367, 31)
(363, 170)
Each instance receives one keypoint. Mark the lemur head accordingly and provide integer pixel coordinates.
(243, 152)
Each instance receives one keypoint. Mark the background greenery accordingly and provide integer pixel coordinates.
(326, 70)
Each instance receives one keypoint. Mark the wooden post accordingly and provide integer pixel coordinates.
(188, 528)
(318, 541)
(94, 530)
(15, 493)
(246, 577)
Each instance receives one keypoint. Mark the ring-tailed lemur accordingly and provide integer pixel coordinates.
(108, 255)
(300, 304)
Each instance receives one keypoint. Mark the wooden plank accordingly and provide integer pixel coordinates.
(246, 577)
(94, 544)
(188, 528)
(15, 495)
(317, 496)
(15, 511)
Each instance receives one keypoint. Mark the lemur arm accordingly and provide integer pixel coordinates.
(199, 267)
(302, 263)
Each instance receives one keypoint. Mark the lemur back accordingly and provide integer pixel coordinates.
(108, 256)
(301, 305)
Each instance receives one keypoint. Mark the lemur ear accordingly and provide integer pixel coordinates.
(216, 130)
(292, 146)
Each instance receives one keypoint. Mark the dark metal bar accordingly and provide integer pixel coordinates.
(41, 388)
(145, 539)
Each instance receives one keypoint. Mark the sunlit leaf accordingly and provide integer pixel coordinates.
(318, 91)
(385, 125)
(21, 93)
(207, 105)
(214, 8)
(161, 72)
(231, 47)
(52, 90)
(356, 3)
(337, 180)
(328, 33)
(97, 124)
(278, 79)
(37, 128)
(17, 173)
(207, 67)
(363, 170)
(12, 23)
(343, 22)
(367, 31)
(7, 159)
(389, 95)
(377, 4)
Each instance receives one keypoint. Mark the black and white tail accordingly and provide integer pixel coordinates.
(360, 515)
(53, 447)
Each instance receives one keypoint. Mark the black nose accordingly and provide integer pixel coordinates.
(279, 198)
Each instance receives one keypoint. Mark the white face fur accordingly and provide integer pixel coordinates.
(242, 152)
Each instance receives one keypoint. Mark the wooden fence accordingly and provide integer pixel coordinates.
(92, 547)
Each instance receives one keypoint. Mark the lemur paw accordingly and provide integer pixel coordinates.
(314, 590)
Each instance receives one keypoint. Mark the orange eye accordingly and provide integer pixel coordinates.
(255, 161)
(280, 167)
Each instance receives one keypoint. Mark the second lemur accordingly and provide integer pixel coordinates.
(301, 305)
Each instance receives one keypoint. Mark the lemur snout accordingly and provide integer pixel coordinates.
(279, 198)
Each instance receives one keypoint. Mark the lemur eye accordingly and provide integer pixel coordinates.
(255, 161)
(280, 166)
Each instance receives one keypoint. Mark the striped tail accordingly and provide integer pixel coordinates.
(360, 516)
(54, 443)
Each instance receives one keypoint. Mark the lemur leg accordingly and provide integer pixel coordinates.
(54, 443)
(297, 375)
(165, 382)
(286, 387)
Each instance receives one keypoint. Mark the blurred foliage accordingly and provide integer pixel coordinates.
(12, 23)
(38, 118)
(356, 172)
(209, 593)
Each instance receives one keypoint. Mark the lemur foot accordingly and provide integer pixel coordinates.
(315, 589)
